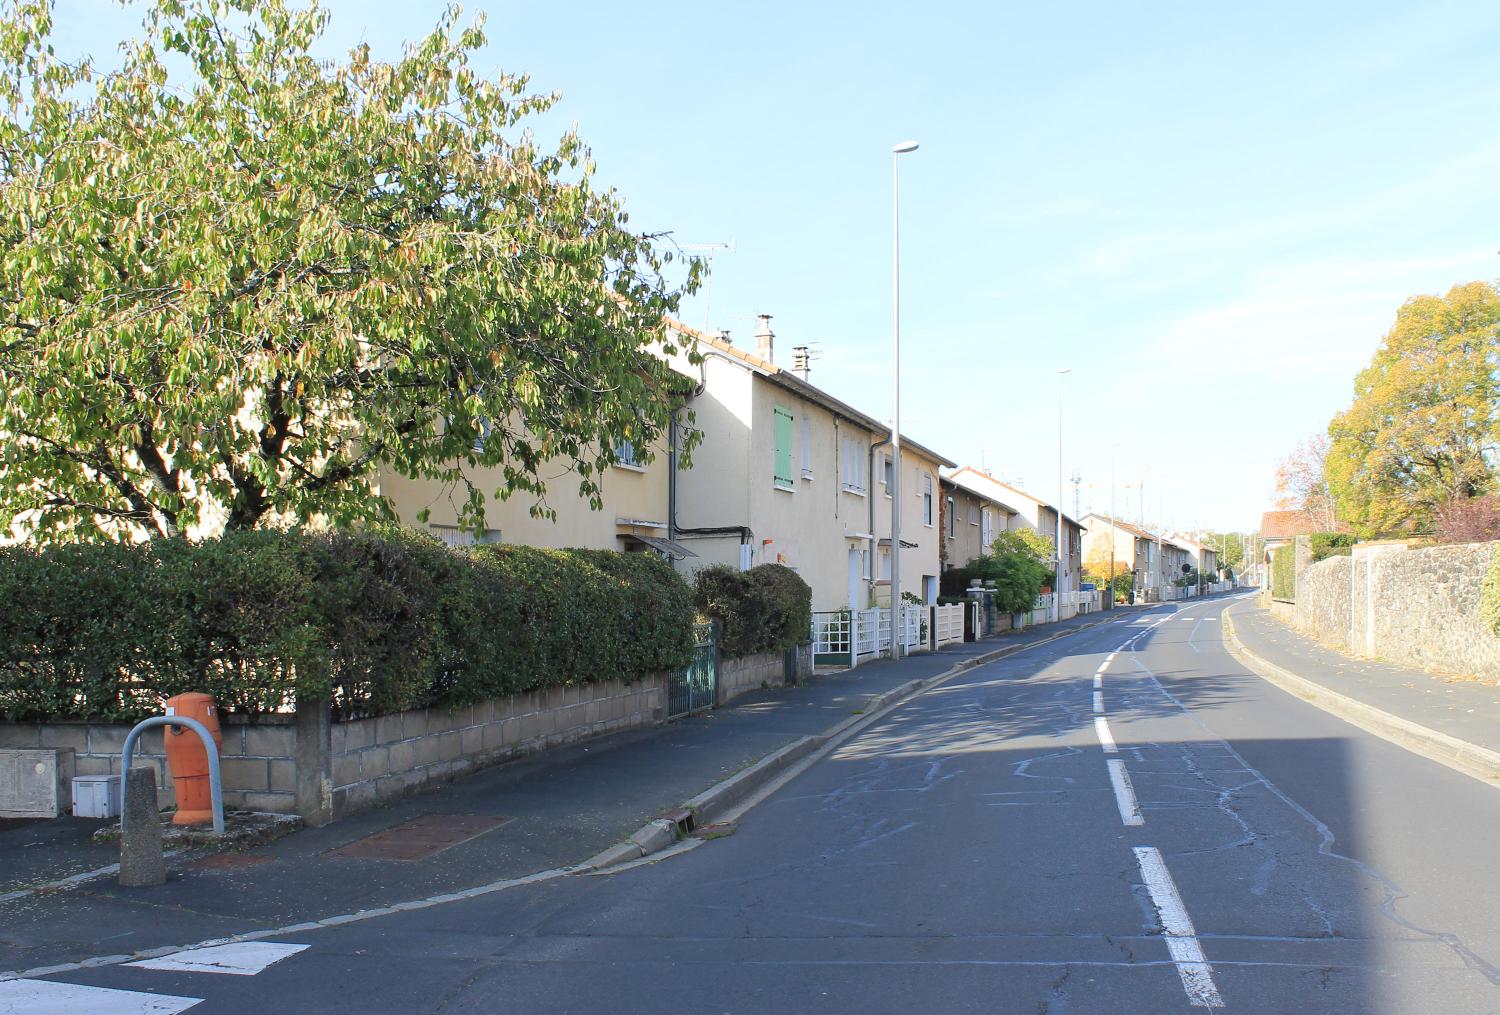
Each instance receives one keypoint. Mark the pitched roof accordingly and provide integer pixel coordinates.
(791, 382)
(1285, 524)
(1134, 530)
(968, 472)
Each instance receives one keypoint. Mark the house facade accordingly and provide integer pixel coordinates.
(1037, 514)
(1133, 547)
(969, 522)
(788, 474)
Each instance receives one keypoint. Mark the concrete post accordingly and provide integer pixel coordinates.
(314, 726)
(142, 864)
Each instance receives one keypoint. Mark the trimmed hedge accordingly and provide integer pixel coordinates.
(375, 622)
(765, 609)
(1331, 544)
(1284, 574)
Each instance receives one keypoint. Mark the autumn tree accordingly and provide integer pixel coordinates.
(1422, 431)
(237, 280)
(1302, 483)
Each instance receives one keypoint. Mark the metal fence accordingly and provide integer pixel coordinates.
(696, 687)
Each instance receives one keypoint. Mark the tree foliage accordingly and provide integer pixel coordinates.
(1302, 483)
(230, 296)
(1422, 431)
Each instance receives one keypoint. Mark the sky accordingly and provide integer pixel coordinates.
(1208, 213)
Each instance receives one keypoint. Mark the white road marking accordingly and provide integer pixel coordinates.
(1130, 810)
(1098, 680)
(1101, 730)
(1177, 927)
(243, 958)
(1099, 702)
(1110, 658)
(44, 997)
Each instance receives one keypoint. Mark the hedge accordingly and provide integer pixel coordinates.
(1284, 574)
(373, 622)
(765, 609)
(1331, 544)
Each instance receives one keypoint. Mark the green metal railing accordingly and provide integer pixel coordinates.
(696, 687)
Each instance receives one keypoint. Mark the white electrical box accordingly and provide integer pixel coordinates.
(96, 796)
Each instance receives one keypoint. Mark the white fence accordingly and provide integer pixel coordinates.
(947, 624)
(856, 636)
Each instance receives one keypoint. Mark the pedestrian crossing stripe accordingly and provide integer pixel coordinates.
(243, 958)
(45, 997)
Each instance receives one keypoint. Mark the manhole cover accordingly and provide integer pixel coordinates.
(419, 838)
(228, 862)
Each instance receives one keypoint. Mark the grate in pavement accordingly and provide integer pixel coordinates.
(419, 838)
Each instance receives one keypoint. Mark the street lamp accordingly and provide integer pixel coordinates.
(904, 148)
(1113, 448)
(1058, 578)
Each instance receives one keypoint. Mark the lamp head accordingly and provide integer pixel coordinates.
(904, 147)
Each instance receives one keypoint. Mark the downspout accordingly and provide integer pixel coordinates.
(673, 529)
(874, 540)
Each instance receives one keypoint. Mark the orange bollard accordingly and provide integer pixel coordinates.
(187, 760)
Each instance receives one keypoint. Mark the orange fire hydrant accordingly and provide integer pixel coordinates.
(188, 760)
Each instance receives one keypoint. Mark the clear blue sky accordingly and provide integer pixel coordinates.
(1168, 198)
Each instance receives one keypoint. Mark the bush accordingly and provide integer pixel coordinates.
(1331, 544)
(765, 609)
(1284, 574)
(374, 622)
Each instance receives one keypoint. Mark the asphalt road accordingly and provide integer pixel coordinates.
(981, 849)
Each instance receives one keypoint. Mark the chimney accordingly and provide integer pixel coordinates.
(765, 338)
(801, 361)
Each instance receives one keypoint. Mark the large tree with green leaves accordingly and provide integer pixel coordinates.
(236, 280)
(1423, 430)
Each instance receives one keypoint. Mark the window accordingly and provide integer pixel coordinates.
(455, 536)
(986, 529)
(625, 454)
(852, 460)
(973, 514)
(783, 474)
(888, 473)
(948, 503)
(927, 499)
(807, 472)
(484, 436)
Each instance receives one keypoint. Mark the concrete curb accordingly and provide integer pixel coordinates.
(726, 793)
(1479, 762)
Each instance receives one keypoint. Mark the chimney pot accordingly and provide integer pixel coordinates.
(765, 339)
(801, 361)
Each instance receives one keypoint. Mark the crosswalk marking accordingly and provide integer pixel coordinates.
(45, 997)
(243, 958)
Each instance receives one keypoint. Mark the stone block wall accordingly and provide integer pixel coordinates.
(1411, 606)
(375, 760)
(257, 759)
(764, 669)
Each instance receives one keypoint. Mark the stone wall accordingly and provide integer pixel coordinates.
(1411, 606)
(257, 759)
(375, 760)
(764, 669)
(1322, 608)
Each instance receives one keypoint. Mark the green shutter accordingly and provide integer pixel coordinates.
(783, 447)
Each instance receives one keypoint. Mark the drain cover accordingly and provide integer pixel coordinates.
(419, 838)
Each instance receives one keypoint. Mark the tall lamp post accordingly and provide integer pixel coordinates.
(1113, 448)
(904, 148)
(1057, 580)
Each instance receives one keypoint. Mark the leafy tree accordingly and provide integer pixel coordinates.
(1422, 432)
(1019, 566)
(230, 299)
(1302, 483)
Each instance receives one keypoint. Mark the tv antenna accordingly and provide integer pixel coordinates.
(708, 250)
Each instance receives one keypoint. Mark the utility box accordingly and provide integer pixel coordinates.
(33, 784)
(96, 796)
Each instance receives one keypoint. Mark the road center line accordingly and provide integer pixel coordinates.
(1106, 740)
(1099, 702)
(1098, 681)
(1130, 810)
(1177, 927)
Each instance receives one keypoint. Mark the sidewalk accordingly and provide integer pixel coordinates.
(552, 810)
(1454, 721)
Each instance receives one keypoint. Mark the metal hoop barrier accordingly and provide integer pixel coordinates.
(215, 785)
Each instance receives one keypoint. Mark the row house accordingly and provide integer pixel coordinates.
(969, 522)
(1114, 539)
(1035, 513)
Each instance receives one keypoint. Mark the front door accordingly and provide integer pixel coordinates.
(856, 580)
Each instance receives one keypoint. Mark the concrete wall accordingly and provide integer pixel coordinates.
(1411, 606)
(763, 669)
(376, 760)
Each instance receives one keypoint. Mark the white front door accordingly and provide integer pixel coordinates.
(856, 580)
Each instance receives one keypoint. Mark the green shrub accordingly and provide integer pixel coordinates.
(765, 609)
(1331, 544)
(1284, 574)
(374, 622)
(1489, 596)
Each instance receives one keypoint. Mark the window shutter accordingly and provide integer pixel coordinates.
(783, 447)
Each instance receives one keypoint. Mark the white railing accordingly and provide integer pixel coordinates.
(867, 626)
(861, 635)
(947, 624)
(831, 633)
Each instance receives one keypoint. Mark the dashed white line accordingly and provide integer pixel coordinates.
(1106, 740)
(1130, 809)
(1098, 680)
(1099, 702)
(1177, 927)
(242, 958)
